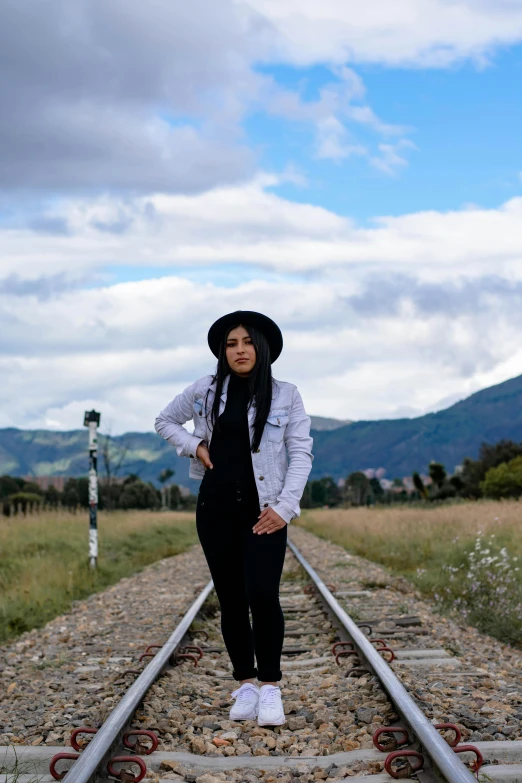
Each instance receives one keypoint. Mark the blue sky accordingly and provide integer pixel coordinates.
(465, 122)
(353, 170)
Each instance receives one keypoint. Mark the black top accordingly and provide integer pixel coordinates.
(230, 445)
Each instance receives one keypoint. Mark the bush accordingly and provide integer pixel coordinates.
(490, 456)
(485, 589)
(26, 499)
(9, 485)
(137, 494)
(504, 481)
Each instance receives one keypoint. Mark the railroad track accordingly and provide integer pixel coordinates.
(349, 714)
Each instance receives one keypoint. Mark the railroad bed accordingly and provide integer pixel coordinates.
(454, 675)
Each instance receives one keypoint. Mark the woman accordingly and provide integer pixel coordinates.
(252, 448)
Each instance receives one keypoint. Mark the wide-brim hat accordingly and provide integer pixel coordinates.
(247, 318)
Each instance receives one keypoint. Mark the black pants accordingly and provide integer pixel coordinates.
(246, 569)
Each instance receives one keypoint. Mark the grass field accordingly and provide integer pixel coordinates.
(465, 555)
(44, 559)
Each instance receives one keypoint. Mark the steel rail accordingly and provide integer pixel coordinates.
(443, 757)
(86, 768)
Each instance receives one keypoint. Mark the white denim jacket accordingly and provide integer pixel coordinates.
(282, 462)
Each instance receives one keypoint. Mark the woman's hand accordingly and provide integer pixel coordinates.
(268, 522)
(203, 455)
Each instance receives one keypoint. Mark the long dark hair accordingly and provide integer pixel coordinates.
(259, 381)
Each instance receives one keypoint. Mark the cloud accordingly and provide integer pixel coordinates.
(42, 288)
(103, 96)
(421, 306)
(389, 159)
(389, 295)
(340, 105)
(332, 141)
(252, 226)
(411, 33)
(130, 347)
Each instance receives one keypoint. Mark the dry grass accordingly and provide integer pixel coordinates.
(432, 546)
(44, 559)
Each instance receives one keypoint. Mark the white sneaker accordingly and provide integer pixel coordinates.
(271, 712)
(247, 700)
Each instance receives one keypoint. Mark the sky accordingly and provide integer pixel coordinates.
(354, 171)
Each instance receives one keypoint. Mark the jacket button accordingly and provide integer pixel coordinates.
(257, 451)
(261, 478)
(265, 505)
(191, 456)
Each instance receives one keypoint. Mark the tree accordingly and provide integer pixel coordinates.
(70, 495)
(457, 482)
(490, 456)
(174, 497)
(9, 485)
(166, 493)
(113, 458)
(437, 473)
(418, 483)
(357, 489)
(32, 487)
(321, 492)
(137, 494)
(52, 497)
(503, 481)
(377, 492)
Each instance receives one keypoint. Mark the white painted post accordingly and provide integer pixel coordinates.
(92, 420)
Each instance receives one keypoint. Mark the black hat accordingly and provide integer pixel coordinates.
(248, 318)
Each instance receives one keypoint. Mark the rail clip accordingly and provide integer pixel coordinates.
(476, 765)
(195, 648)
(79, 745)
(179, 656)
(386, 650)
(345, 654)
(408, 770)
(450, 727)
(139, 746)
(341, 644)
(152, 647)
(124, 775)
(393, 742)
(55, 759)
(357, 671)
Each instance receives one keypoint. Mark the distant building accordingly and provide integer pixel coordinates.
(44, 482)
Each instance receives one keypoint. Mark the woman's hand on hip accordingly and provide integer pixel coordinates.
(203, 455)
(268, 522)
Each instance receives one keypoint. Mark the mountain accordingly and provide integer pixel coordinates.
(398, 445)
(403, 445)
(323, 423)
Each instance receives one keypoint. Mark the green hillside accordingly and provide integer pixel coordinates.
(404, 445)
(398, 445)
